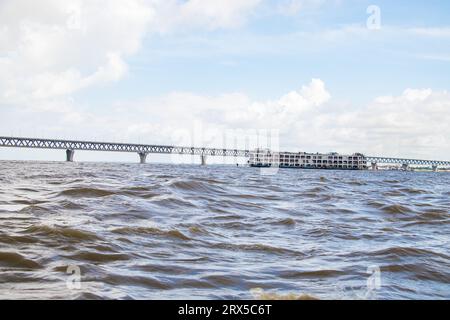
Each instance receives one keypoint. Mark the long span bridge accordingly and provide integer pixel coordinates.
(374, 161)
(141, 149)
(144, 149)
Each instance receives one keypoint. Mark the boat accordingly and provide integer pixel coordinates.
(264, 158)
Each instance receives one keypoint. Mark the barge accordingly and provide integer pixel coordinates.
(264, 158)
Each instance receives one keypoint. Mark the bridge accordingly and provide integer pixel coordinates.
(434, 164)
(141, 149)
(144, 149)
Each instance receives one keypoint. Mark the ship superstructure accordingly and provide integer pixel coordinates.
(303, 160)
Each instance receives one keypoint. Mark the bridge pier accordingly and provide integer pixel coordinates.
(435, 168)
(405, 167)
(374, 166)
(142, 157)
(203, 159)
(69, 155)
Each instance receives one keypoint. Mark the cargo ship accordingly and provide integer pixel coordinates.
(265, 158)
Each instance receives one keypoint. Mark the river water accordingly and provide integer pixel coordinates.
(157, 231)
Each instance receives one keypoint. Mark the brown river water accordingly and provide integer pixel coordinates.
(164, 231)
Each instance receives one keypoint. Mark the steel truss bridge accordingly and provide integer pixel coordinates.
(144, 149)
(431, 163)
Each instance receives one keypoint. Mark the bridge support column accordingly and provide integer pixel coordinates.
(142, 157)
(374, 166)
(203, 159)
(435, 168)
(405, 167)
(69, 155)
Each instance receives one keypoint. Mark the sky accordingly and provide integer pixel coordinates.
(295, 75)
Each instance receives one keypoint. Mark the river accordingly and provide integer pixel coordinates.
(165, 231)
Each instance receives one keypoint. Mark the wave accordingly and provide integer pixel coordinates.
(137, 281)
(286, 222)
(434, 214)
(413, 191)
(319, 274)
(195, 186)
(404, 252)
(143, 193)
(395, 209)
(222, 280)
(16, 260)
(171, 201)
(98, 257)
(258, 247)
(321, 189)
(65, 232)
(419, 271)
(357, 183)
(151, 231)
(198, 230)
(86, 193)
(16, 239)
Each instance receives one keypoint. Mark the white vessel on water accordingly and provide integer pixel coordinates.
(303, 160)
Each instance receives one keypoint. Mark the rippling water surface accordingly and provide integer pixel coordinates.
(183, 231)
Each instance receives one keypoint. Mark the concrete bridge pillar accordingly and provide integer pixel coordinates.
(405, 167)
(435, 168)
(203, 159)
(374, 166)
(69, 155)
(142, 157)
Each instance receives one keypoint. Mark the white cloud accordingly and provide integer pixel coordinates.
(419, 95)
(53, 48)
(177, 114)
(238, 111)
(176, 16)
(443, 32)
(412, 124)
(293, 7)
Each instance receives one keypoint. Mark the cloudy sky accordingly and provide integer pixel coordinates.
(319, 75)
